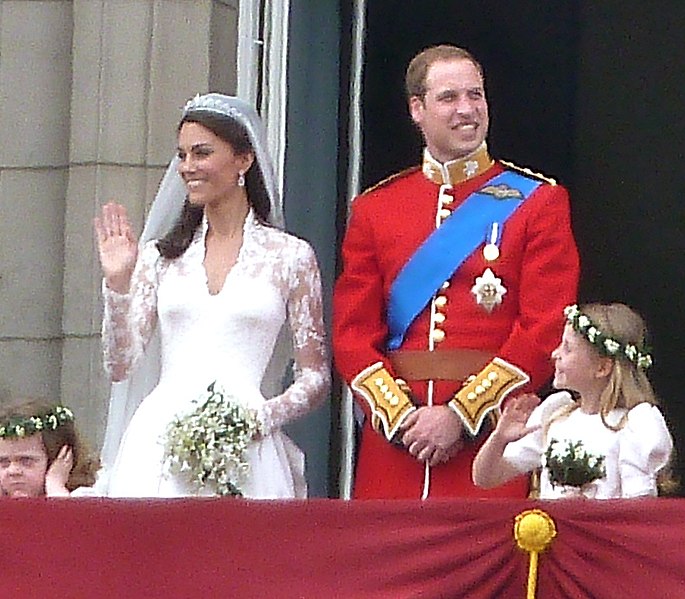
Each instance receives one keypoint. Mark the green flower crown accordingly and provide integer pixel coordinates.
(607, 346)
(25, 426)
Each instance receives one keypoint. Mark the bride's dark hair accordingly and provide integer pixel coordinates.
(177, 240)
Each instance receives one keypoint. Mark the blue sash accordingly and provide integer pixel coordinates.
(444, 251)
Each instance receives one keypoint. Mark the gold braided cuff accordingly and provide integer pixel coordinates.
(485, 392)
(388, 401)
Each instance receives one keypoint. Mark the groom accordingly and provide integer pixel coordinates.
(455, 276)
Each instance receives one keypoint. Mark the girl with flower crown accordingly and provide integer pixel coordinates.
(41, 453)
(212, 283)
(602, 436)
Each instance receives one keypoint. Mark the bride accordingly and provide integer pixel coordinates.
(206, 301)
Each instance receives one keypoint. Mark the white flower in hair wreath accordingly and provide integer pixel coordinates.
(209, 444)
(607, 345)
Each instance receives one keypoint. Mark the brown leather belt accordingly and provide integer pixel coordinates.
(442, 365)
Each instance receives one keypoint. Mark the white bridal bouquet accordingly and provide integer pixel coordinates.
(210, 442)
(570, 465)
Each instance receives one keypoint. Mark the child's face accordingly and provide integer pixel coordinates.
(23, 464)
(576, 363)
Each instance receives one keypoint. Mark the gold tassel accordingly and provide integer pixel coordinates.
(534, 530)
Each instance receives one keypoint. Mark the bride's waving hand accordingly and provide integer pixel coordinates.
(117, 246)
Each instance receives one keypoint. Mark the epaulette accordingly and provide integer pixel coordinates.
(527, 171)
(390, 179)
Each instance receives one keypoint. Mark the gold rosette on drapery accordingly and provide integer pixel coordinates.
(534, 531)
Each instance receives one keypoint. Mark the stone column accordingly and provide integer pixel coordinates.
(35, 91)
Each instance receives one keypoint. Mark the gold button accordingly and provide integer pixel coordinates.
(447, 198)
(493, 376)
(444, 213)
(439, 318)
(471, 396)
(387, 395)
(438, 335)
(383, 388)
(394, 401)
(479, 390)
(445, 285)
(441, 301)
(378, 382)
(486, 383)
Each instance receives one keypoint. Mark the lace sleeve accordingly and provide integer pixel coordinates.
(129, 319)
(311, 370)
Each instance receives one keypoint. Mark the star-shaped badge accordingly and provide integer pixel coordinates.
(488, 290)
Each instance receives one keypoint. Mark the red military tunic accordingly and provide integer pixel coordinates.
(538, 266)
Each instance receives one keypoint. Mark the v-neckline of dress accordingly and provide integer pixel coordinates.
(249, 219)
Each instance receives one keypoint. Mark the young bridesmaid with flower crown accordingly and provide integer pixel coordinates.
(602, 435)
(41, 452)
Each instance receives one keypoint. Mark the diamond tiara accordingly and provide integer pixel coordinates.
(212, 103)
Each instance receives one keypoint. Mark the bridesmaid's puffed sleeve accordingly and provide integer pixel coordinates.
(311, 370)
(129, 319)
(526, 454)
(645, 447)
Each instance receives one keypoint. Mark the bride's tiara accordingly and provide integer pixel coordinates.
(217, 103)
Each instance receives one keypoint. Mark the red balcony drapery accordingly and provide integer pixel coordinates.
(75, 548)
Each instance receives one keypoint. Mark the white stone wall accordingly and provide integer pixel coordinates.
(90, 95)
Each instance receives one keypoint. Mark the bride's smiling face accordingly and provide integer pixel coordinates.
(209, 165)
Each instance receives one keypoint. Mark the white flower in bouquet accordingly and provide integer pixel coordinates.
(569, 464)
(210, 443)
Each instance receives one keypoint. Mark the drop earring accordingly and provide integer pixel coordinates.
(241, 179)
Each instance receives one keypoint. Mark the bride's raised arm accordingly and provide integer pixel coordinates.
(129, 319)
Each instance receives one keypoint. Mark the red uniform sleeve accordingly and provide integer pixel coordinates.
(359, 328)
(548, 283)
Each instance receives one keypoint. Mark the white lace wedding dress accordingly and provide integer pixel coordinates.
(229, 336)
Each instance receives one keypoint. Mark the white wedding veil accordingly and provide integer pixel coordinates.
(166, 208)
